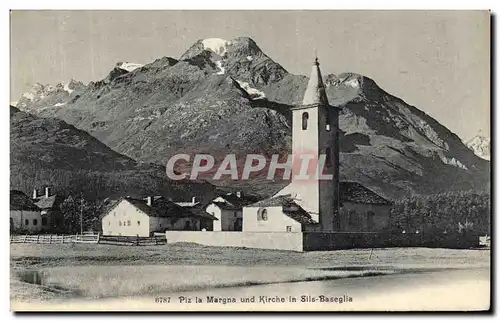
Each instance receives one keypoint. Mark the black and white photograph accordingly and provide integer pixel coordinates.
(250, 160)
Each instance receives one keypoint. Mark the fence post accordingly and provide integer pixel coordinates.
(25, 237)
(38, 239)
(98, 237)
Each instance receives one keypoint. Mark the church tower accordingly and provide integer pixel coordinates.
(316, 132)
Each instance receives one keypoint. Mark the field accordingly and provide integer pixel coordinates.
(105, 271)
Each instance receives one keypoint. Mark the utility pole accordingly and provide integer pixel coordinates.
(81, 213)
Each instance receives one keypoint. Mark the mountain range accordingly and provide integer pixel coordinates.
(230, 97)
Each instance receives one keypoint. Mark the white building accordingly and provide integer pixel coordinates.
(25, 216)
(142, 217)
(228, 209)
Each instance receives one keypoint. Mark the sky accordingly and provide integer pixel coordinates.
(437, 61)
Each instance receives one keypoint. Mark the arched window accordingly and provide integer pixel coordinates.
(26, 222)
(35, 221)
(305, 118)
(328, 161)
(44, 221)
(262, 214)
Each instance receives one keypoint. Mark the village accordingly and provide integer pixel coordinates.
(317, 215)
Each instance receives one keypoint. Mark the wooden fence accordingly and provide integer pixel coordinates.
(133, 240)
(55, 239)
(88, 238)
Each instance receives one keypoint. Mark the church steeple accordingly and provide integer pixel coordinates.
(315, 93)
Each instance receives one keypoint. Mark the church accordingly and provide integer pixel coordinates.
(322, 208)
(312, 214)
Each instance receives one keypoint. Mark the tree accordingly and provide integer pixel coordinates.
(90, 210)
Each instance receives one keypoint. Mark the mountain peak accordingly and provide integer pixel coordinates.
(480, 145)
(216, 45)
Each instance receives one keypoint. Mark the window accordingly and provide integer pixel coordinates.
(235, 214)
(109, 223)
(328, 161)
(327, 127)
(44, 221)
(262, 214)
(138, 223)
(305, 118)
(128, 222)
(26, 222)
(119, 223)
(35, 222)
(288, 228)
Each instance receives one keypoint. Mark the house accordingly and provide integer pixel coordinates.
(50, 205)
(197, 208)
(228, 209)
(362, 210)
(25, 216)
(143, 217)
(277, 214)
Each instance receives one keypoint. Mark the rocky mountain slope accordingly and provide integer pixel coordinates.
(48, 151)
(230, 97)
(480, 145)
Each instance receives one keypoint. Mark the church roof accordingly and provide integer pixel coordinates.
(356, 193)
(315, 92)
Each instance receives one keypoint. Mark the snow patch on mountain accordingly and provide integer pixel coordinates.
(216, 45)
(480, 145)
(128, 66)
(254, 93)
(249, 58)
(59, 104)
(29, 95)
(66, 88)
(222, 70)
(354, 83)
(454, 162)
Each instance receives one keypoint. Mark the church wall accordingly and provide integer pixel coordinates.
(259, 240)
(276, 221)
(354, 217)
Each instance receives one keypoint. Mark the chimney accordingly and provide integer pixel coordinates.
(193, 200)
(239, 194)
(35, 193)
(47, 192)
(149, 200)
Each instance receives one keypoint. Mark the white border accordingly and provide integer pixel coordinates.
(180, 5)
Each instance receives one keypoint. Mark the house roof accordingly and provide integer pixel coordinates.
(21, 202)
(289, 206)
(273, 201)
(160, 207)
(51, 202)
(233, 201)
(356, 193)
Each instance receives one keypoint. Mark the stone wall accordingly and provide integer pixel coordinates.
(262, 240)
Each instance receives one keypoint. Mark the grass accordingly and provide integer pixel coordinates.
(95, 271)
(46, 255)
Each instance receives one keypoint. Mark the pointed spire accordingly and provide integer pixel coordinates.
(315, 92)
